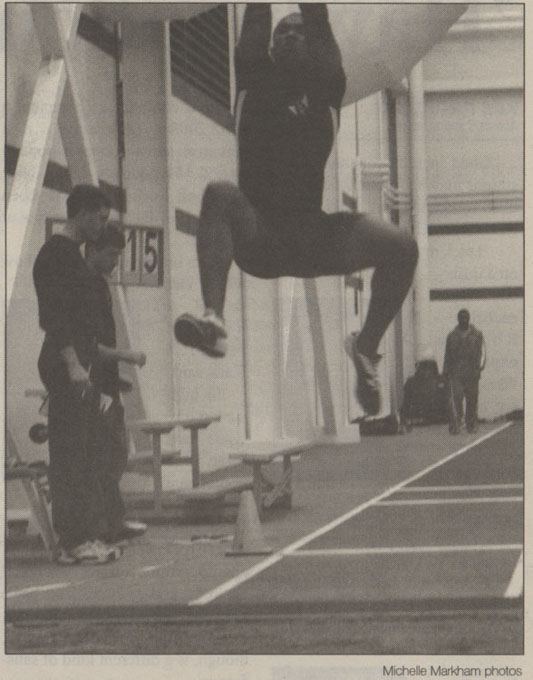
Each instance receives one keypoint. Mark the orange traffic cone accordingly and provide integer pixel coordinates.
(248, 538)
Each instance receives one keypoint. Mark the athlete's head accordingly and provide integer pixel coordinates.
(463, 317)
(289, 45)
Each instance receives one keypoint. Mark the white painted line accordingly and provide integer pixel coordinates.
(467, 487)
(404, 550)
(155, 567)
(340, 520)
(516, 584)
(237, 580)
(454, 501)
(276, 557)
(59, 586)
(38, 589)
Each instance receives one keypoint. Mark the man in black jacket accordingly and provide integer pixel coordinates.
(287, 114)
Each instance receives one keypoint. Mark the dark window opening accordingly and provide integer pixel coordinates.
(199, 56)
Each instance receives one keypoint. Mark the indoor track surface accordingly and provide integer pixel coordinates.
(435, 535)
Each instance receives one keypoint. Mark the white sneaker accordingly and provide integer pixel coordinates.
(90, 552)
(368, 387)
(207, 334)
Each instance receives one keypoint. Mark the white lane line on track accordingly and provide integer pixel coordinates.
(276, 557)
(467, 487)
(155, 567)
(404, 550)
(38, 589)
(516, 584)
(453, 501)
(57, 586)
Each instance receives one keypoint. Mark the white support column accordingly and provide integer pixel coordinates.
(320, 357)
(419, 212)
(296, 393)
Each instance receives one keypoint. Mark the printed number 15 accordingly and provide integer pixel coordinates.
(150, 251)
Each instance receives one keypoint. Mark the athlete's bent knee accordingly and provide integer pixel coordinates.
(220, 192)
(408, 252)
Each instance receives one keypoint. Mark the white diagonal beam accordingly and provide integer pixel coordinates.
(74, 136)
(39, 132)
(56, 27)
(32, 162)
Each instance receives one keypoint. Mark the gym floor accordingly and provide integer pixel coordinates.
(417, 526)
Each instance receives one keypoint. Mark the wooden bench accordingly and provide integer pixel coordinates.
(207, 500)
(143, 461)
(155, 459)
(216, 490)
(257, 455)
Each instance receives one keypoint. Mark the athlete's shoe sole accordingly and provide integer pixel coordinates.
(201, 334)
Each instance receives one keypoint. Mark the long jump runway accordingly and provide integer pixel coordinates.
(448, 534)
(451, 533)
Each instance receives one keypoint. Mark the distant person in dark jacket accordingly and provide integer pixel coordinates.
(287, 113)
(424, 396)
(463, 362)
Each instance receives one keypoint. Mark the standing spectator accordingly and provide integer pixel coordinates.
(61, 280)
(111, 450)
(463, 362)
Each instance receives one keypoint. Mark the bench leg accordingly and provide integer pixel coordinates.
(158, 475)
(257, 481)
(41, 515)
(286, 501)
(195, 457)
(279, 492)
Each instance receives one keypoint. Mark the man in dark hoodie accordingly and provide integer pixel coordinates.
(287, 114)
(463, 362)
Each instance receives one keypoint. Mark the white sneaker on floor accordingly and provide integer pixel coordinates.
(368, 388)
(90, 552)
(207, 333)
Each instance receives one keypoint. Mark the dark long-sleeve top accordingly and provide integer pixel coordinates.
(61, 277)
(464, 353)
(105, 374)
(284, 142)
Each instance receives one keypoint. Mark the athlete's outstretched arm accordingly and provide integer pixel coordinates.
(322, 46)
(252, 48)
